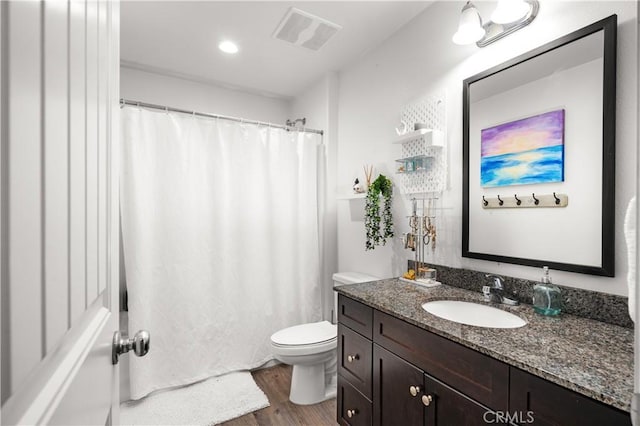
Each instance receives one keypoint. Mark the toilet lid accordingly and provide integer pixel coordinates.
(305, 334)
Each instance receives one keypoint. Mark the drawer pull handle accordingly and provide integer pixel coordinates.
(427, 399)
(352, 358)
(414, 390)
(351, 413)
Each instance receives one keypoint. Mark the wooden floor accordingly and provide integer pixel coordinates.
(274, 382)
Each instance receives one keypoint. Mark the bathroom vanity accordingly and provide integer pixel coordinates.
(399, 365)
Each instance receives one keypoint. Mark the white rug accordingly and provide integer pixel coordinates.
(209, 402)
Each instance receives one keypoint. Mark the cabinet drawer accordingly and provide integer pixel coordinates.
(353, 408)
(355, 315)
(482, 378)
(551, 404)
(354, 359)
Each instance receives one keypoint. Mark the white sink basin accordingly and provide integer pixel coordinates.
(473, 314)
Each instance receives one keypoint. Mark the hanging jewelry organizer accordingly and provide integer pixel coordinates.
(422, 236)
(422, 167)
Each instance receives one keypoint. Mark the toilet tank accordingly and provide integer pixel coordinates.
(342, 278)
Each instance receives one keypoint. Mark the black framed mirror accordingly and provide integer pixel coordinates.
(539, 156)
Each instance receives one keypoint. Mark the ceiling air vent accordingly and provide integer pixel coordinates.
(304, 29)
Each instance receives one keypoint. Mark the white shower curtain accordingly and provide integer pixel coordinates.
(220, 239)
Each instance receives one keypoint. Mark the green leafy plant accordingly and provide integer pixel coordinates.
(372, 218)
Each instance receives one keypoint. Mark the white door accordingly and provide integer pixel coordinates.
(59, 126)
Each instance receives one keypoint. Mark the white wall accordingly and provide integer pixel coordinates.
(421, 59)
(175, 92)
(318, 104)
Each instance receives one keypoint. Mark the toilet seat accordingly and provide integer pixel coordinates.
(305, 334)
(305, 339)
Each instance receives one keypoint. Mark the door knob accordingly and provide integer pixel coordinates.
(352, 358)
(414, 390)
(427, 399)
(123, 344)
(351, 413)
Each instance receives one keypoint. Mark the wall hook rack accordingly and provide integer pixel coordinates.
(546, 200)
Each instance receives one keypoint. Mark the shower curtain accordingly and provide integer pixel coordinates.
(220, 239)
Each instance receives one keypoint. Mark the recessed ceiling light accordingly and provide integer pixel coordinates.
(228, 47)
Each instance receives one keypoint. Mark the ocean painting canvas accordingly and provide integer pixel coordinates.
(526, 151)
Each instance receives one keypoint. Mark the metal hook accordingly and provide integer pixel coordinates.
(518, 201)
(535, 200)
(557, 199)
(485, 202)
(501, 202)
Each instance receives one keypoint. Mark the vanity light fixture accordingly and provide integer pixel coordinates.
(228, 46)
(509, 16)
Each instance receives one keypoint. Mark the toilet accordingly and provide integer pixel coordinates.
(311, 350)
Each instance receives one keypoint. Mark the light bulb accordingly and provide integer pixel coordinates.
(228, 47)
(470, 27)
(509, 11)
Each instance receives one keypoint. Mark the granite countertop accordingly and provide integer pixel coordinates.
(590, 357)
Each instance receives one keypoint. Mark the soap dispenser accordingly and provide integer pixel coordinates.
(546, 296)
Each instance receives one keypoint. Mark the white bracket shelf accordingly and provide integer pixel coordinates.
(353, 196)
(431, 137)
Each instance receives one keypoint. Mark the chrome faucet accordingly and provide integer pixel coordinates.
(495, 292)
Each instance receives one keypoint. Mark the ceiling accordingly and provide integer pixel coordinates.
(180, 38)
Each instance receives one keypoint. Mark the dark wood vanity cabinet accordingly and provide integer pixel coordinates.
(391, 372)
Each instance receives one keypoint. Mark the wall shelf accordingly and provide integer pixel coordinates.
(418, 163)
(352, 196)
(431, 137)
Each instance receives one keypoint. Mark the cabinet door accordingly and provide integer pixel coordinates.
(393, 401)
(551, 405)
(447, 407)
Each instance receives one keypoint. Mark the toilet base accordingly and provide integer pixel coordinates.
(308, 385)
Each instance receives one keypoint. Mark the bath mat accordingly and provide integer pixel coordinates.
(209, 402)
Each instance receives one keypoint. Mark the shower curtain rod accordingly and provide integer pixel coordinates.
(124, 102)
